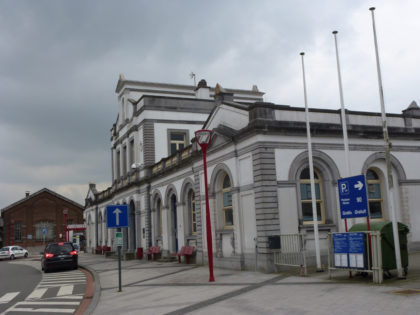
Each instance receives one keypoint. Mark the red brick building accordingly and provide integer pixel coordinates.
(38, 218)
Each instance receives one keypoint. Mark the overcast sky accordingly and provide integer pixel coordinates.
(60, 62)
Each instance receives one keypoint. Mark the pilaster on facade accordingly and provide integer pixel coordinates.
(266, 203)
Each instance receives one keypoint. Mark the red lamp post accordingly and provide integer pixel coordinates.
(12, 236)
(203, 138)
(65, 212)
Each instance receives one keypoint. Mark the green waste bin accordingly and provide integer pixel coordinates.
(387, 242)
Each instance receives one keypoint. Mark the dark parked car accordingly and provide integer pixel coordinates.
(59, 255)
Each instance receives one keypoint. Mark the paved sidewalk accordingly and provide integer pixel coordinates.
(172, 288)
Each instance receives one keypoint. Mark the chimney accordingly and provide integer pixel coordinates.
(221, 95)
(202, 91)
(27, 193)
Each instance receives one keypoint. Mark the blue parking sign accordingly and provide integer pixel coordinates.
(352, 193)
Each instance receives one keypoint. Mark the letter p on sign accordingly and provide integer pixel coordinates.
(344, 188)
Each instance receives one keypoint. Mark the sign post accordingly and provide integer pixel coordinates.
(44, 231)
(117, 218)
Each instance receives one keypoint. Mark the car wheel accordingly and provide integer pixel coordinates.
(26, 255)
(12, 257)
(45, 270)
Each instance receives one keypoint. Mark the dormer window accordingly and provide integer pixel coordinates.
(177, 140)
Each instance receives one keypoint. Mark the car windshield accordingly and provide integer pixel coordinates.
(65, 248)
(4, 249)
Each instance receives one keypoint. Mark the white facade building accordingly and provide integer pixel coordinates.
(257, 168)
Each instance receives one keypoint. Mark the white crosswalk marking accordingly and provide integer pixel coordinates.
(47, 299)
(6, 298)
(43, 310)
(37, 294)
(47, 303)
(65, 290)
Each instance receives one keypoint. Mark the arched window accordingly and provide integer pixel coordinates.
(191, 208)
(306, 198)
(227, 202)
(376, 206)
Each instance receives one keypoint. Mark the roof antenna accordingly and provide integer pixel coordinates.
(192, 76)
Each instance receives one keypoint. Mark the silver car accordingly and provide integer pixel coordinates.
(12, 252)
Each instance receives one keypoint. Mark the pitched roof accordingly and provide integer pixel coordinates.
(38, 193)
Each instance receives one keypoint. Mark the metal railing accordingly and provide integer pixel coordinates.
(292, 251)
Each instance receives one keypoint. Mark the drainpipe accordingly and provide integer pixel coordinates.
(149, 216)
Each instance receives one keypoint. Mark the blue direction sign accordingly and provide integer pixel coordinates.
(117, 216)
(353, 197)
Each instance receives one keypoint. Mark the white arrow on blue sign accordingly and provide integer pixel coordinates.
(117, 216)
(353, 197)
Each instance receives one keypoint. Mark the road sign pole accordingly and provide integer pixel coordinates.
(119, 269)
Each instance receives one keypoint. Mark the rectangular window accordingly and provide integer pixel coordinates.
(118, 166)
(131, 155)
(17, 231)
(177, 141)
(124, 161)
(193, 213)
(227, 209)
(44, 231)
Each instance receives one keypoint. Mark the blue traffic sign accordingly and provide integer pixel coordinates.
(353, 197)
(44, 230)
(117, 216)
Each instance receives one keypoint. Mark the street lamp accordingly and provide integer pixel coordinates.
(203, 138)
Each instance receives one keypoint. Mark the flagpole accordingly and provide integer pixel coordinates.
(343, 123)
(311, 172)
(390, 186)
(343, 111)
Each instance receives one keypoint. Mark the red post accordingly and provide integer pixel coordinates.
(345, 224)
(65, 212)
(12, 236)
(208, 222)
(204, 142)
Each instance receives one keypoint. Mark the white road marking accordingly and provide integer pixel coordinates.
(42, 310)
(6, 298)
(36, 294)
(46, 303)
(63, 281)
(65, 290)
(69, 297)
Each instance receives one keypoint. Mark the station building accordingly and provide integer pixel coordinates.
(258, 172)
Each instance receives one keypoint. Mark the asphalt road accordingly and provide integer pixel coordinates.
(16, 279)
(28, 290)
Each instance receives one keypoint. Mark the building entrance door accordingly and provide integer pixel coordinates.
(174, 226)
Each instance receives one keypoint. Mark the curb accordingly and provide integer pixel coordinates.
(97, 285)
